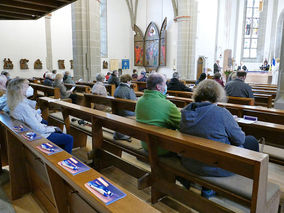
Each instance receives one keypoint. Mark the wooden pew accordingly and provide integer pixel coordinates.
(56, 189)
(46, 90)
(263, 100)
(141, 85)
(264, 88)
(79, 88)
(190, 81)
(110, 88)
(251, 168)
(240, 100)
(269, 92)
(180, 93)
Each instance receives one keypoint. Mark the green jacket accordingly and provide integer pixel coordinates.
(153, 108)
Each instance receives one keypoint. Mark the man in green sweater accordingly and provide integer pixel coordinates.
(153, 108)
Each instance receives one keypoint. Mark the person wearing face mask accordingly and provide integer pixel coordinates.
(124, 91)
(21, 110)
(153, 108)
(58, 82)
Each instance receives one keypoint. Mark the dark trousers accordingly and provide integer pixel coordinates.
(251, 143)
(62, 139)
(73, 98)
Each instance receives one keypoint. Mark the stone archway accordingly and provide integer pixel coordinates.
(279, 31)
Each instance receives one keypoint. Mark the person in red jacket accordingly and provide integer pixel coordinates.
(107, 76)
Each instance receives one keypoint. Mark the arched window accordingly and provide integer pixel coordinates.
(254, 30)
(103, 23)
(250, 40)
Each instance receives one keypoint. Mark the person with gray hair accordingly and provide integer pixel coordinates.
(48, 79)
(203, 118)
(153, 108)
(100, 89)
(238, 87)
(176, 84)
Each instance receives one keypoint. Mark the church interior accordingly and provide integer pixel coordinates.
(142, 106)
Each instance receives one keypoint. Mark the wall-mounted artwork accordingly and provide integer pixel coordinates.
(114, 64)
(24, 64)
(105, 64)
(125, 64)
(8, 64)
(61, 64)
(163, 43)
(138, 47)
(152, 50)
(38, 64)
(71, 64)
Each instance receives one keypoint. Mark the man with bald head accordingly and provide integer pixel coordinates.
(153, 108)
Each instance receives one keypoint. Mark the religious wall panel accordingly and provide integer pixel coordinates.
(138, 47)
(163, 43)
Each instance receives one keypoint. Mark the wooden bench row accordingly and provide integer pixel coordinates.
(55, 188)
(249, 190)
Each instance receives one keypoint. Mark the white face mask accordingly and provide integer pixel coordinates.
(29, 92)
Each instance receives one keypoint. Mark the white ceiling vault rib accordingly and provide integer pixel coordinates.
(132, 11)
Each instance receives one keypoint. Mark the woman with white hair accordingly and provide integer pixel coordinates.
(203, 118)
(20, 109)
(100, 89)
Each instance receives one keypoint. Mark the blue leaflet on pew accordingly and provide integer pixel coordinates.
(104, 190)
(31, 136)
(49, 148)
(20, 128)
(73, 166)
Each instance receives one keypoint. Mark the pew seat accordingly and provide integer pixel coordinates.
(134, 146)
(235, 184)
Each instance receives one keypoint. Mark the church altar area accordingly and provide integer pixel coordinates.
(260, 77)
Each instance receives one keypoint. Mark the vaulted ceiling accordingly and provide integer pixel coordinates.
(29, 9)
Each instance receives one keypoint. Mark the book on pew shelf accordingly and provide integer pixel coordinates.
(49, 148)
(73, 166)
(104, 190)
(31, 136)
(20, 128)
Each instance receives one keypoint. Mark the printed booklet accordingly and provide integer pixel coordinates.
(31, 136)
(20, 128)
(73, 166)
(104, 190)
(49, 148)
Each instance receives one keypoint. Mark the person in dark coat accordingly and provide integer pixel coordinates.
(48, 79)
(203, 118)
(238, 87)
(217, 78)
(113, 79)
(201, 78)
(217, 67)
(124, 91)
(177, 85)
(142, 77)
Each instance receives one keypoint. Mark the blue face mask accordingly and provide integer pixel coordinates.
(166, 89)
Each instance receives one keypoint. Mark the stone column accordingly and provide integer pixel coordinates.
(187, 24)
(86, 39)
(279, 101)
(49, 64)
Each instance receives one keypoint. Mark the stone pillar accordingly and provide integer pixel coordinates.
(49, 64)
(279, 101)
(187, 24)
(86, 39)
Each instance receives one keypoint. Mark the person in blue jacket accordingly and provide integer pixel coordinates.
(203, 118)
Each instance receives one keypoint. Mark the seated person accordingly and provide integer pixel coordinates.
(67, 78)
(238, 88)
(217, 78)
(100, 89)
(48, 80)
(20, 109)
(107, 76)
(265, 66)
(113, 79)
(142, 77)
(153, 108)
(201, 78)
(58, 83)
(203, 118)
(124, 91)
(3, 80)
(242, 67)
(177, 85)
(134, 75)
(53, 74)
